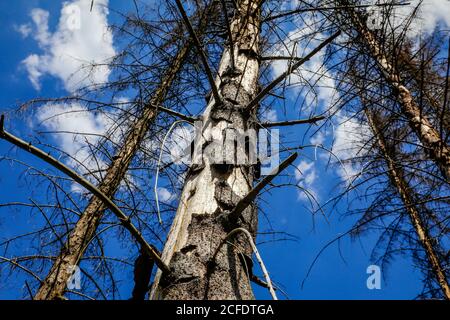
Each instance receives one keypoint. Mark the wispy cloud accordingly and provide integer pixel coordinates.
(431, 13)
(75, 127)
(298, 43)
(350, 141)
(81, 38)
(306, 176)
(24, 29)
(165, 195)
(269, 115)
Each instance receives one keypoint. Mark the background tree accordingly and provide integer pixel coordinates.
(377, 63)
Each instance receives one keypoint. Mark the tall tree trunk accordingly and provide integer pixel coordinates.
(202, 266)
(412, 68)
(429, 136)
(54, 284)
(397, 178)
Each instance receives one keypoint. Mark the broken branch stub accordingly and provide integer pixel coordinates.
(247, 200)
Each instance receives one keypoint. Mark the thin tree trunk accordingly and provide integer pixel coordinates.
(429, 136)
(212, 189)
(410, 67)
(396, 176)
(54, 285)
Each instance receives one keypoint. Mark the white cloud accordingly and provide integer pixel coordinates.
(306, 174)
(40, 19)
(165, 195)
(81, 38)
(350, 141)
(269, 115)
(78, 127)
(431, 13)
(24, 29)
(31, 63)
(298, 43)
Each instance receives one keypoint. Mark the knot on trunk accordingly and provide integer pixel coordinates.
(232, 91)
(225, 196)
(230, 112)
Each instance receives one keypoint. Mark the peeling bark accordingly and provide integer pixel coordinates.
(54, 285)
(212, 189)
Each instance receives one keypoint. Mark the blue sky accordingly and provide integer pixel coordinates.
(338, 274)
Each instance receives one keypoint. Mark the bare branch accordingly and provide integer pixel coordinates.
(258, 257)
(297, 11)
(288, 72)
(245, 201)
(292, 122)
(124, 219)
(197, 43)
(175, 114)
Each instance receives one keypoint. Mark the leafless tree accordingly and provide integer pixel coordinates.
(390, 87)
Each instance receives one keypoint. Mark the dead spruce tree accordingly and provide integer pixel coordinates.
(431, 134)
(210, 188)
(437, 149)
(429, 79)
(406, 200)
(406, 194)
(55, 283)
(368, 97)
(216, 201)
